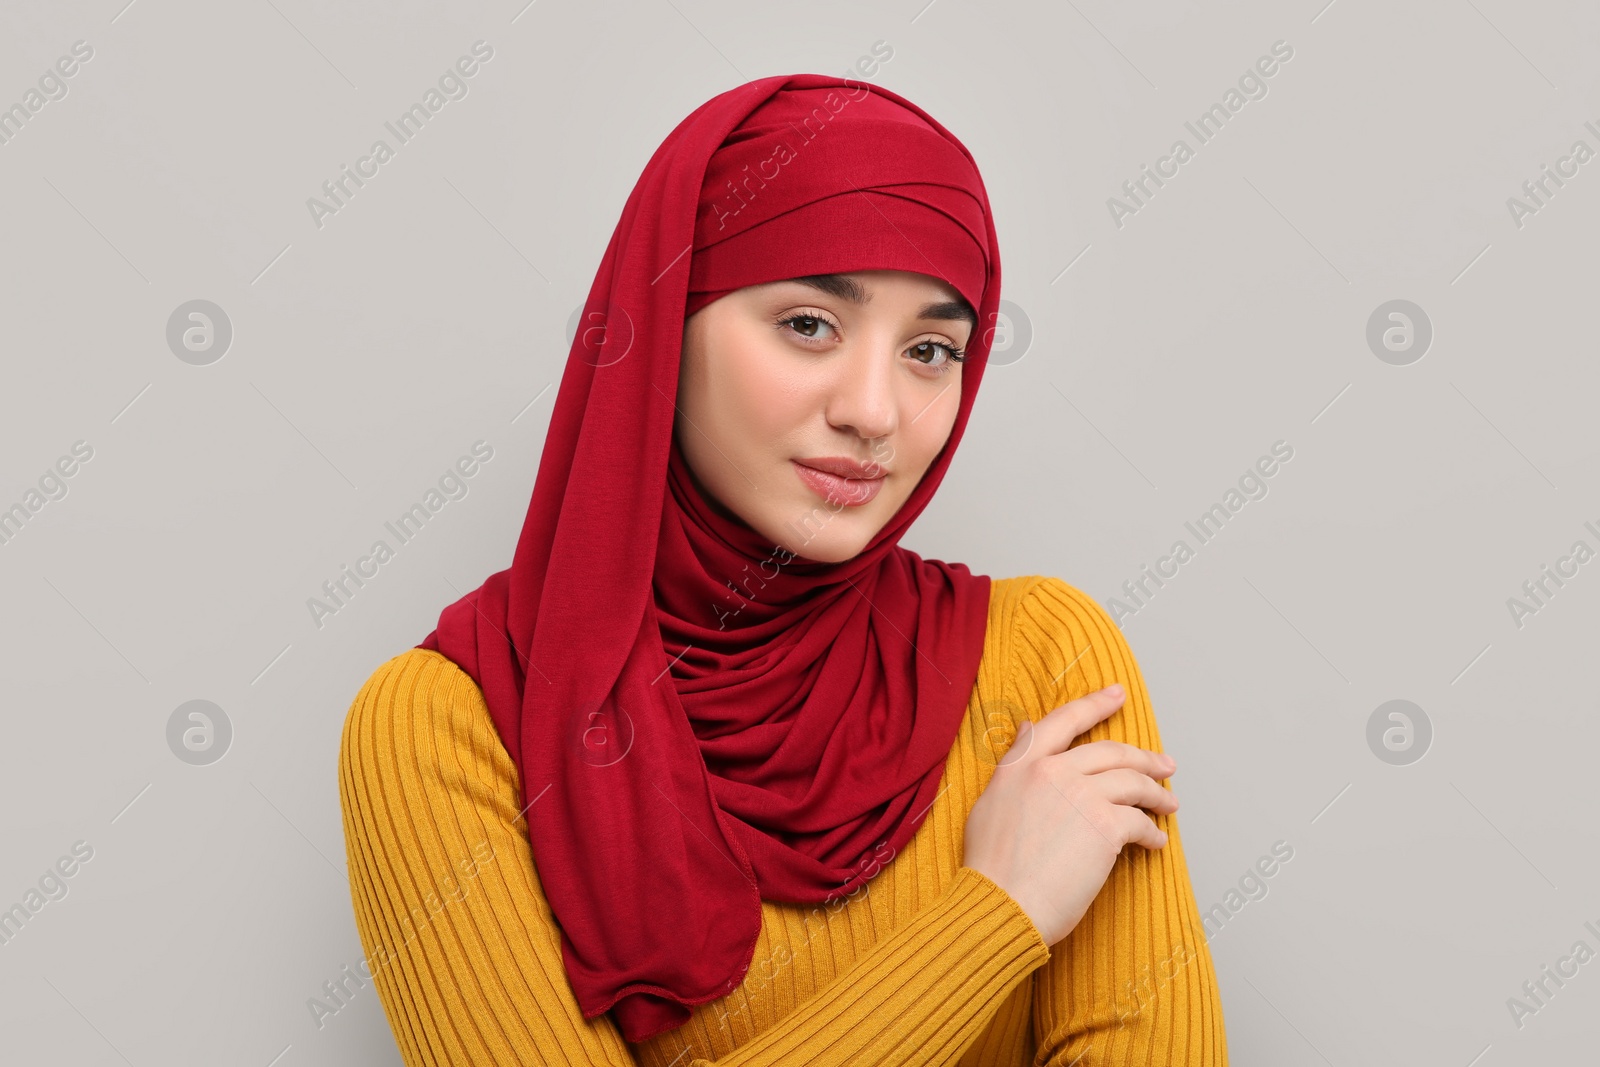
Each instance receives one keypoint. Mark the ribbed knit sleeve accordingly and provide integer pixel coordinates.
(466, 954)
(1133, 983)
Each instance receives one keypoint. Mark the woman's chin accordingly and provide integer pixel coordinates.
(829, 545)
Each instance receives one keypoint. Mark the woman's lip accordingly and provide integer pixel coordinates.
(851, 492)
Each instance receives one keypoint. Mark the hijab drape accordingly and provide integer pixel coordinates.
(702, 719)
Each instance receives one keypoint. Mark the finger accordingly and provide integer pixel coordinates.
(1140, 829)
(1133, 789)
(1058, 729)
(1097, 756)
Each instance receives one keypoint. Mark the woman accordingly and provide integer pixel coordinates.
(716, 771)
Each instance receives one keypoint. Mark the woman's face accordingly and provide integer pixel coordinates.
(841, 367)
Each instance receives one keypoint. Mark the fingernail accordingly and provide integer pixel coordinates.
(1114, 689)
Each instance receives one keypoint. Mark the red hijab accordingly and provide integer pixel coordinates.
(703, 720)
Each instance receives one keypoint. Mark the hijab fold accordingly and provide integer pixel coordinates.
(703, 720)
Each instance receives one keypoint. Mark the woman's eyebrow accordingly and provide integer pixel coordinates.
(849, 289)
(837, 285)
(949, 310)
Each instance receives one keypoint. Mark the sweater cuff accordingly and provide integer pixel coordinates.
(922, 995)
(997, 901)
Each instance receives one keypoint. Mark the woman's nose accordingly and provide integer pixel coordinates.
(863, 400)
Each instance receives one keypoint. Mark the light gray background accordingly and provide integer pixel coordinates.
(1167, 355)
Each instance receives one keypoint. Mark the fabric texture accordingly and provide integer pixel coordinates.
(679, 768)
(928, 963)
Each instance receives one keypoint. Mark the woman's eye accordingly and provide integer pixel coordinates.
(931, 349)
(808, 326)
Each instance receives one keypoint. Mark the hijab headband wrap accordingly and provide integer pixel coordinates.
(703, 720)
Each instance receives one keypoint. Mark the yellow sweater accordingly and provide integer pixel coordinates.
(930, 962)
